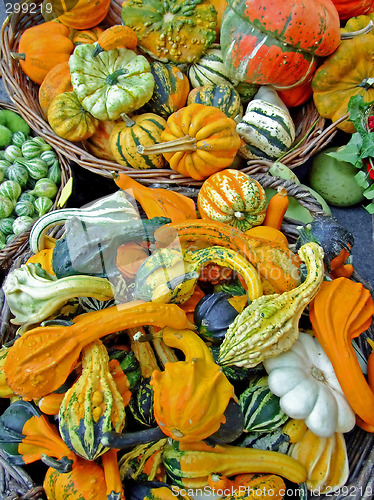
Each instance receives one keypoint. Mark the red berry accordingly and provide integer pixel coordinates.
(371, 123)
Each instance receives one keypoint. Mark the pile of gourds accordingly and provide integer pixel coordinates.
(176, 352)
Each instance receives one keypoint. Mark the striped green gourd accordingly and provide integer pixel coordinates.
(18, 138)
(275, 440)
(2, 240)
(49, 157)
(260, 407)
(21, 224)
(54, 172)
(42, 205)
(92, 406)
(141, 404)
(9, 238)
(36, 168)
(18, 173)
(10, 189)
(267, 130)
(110, 208)
(222, 96)
(4, 165)
(6, 225)
(33, 148)
(24, 207)
(210, 69)
(1, 176)
(1, 154)
(12, 153)
(6, 207)
(45, 187)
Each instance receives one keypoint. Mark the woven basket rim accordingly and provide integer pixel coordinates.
(359, 443)
(20, 242)
(23, 94)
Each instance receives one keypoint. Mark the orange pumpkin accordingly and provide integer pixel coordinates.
(57, 81)
(41, 48)
(83, 15)
(98, 144)
(199, 141)
(115, 37)
(86, 36)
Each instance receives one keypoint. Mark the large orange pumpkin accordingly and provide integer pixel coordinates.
(81, 14)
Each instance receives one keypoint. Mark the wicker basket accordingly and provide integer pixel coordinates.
(16, 484)
(19, 243)
(312, 131)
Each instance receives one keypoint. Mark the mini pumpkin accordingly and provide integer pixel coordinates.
(115, 37)
(232, 197)
(199, 141)
(222, 96)
(69, 119)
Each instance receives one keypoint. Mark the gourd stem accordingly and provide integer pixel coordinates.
(113, 77)
(17, 56)
(131, 439)
(97, 50)
(185, 143)
(353, 34)
(128, 121)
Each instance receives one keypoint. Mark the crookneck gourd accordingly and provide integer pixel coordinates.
(40, 361)
(169, 275)
(93, 405)
(269, 325)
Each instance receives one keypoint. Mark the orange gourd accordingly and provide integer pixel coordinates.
(129, 257)
(40, 360)
(83, 15)
(115, 37)
(41, 48)
(276, 209)
(275, 262)
(340, 312)
(55, 82)
(98, 144)
(158, 202)
(268, 233)
(44, 258)
(199, 140)
(86, 36)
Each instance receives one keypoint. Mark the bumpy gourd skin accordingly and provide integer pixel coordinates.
(114, 82)
(269, 325)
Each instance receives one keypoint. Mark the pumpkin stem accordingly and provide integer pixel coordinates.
(97, 50)
(185, 143)
(367, 83)
(113, 77)
(128, 121)
(353, 34)
(17, 56)
(63, 465)
(130, 439)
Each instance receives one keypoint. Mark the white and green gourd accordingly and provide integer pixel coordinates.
(6, 225)
(6, 207)
(18, 138)
(45, 187)
(22, 224)
(34, 147)
(18, 173)
(36, 167)
(11, 189)
(12, 153)
(210, 69)
(24, 207)
(266, 128)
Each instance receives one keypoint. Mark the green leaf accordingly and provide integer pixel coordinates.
(357, 108)
(361, 179)
(351, 152)
(369, 193)
(367, 149)
(370, 208)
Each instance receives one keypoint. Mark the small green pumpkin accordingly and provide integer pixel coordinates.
(141, 404)
(223, 96)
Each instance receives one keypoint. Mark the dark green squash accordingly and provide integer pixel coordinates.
(213, 315)
(141, 404)
(170, 91)
(234, 373)
(129, 365)
(223, 96)
(232, 428)
(335, 239)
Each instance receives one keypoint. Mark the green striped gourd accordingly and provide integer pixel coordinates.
(26, 195)
(223, 96)
(33, 148)
(275, 440)
(6, 225)
(42, 205)
(110, 208)
(18, 138)
(2, 240)
(92, 406)
(10, 237)
(18, 173)
(24, 207)
(4, 165)
(210, 69)
(12, 153)
(49, 157)
(141, 404)
(36, 167)
(6, 206)
(145, 130)
(170, 91)
(266, 128)
(45, 187)
(22, 224)
(11, 189)
(260, 407)
(54, 172)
